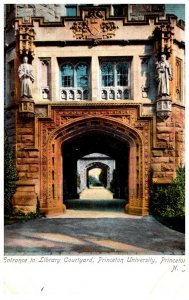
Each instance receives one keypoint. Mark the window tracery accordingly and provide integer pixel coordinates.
(115, 80)
(74, 81)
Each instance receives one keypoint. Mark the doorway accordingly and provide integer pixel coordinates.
(113, 185)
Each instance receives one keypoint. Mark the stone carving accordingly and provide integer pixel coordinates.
(164, 75)
(25, 74)
(25, 40)
(93, 27)
(163, 39)
(51, 137)
(97, 160)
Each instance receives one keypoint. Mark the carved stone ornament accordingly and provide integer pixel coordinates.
(26, 108)
(163, 107)
(63, 127)
(25, 37)
(93, 26)
(163, 39)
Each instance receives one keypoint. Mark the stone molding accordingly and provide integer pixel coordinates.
(126, 22)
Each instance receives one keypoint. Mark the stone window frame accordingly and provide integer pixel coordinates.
(45, 89)
(75, 92)
(115, 91)
(179, 79)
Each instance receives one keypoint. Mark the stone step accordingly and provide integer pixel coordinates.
(96, 193)
(96, 204)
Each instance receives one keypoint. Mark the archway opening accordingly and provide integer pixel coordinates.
(95, 169)
(96, 177)
(90, 142)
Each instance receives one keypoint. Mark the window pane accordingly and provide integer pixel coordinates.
(107, 74)
(122, 74)
(82, 75)
(67, 75)
(118, 11)
(71, 11)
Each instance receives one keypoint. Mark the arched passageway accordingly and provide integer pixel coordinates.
(84, 136)
(88, 143)
(97, 174)
(102, 162)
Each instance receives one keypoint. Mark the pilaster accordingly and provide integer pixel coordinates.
(54, 86)
(95, 78)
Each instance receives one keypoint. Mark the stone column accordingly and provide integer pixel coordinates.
(55, 86)
(95, 78)
(135, 78)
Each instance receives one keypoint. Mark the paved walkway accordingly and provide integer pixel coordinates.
(80, 232)
(96, 193)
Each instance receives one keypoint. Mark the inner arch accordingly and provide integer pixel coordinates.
(95, 142)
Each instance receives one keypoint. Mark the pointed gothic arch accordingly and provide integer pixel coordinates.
(52, 185)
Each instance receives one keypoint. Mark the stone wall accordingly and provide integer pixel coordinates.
(53, 12)
(179, 115)
(10, 127)
(168, 154)
(27, 162)
(50, 12)
(27, 155)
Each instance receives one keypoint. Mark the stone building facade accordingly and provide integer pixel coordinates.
(95, 90)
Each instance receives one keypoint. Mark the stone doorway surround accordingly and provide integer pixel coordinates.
(94, 160)
(52, 138)
(102, 166)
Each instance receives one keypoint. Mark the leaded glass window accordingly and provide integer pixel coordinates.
(118, 10)
(82, 75)
(107, 74)
(71, 10)
(67, 75)
(74, 80)
(115, 79)
(115, 74)
(122, 74)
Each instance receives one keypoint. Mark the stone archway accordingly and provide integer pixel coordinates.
(101, 166)
(52, 163)
(95, 160)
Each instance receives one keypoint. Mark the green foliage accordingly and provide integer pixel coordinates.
(92, 180)
(168, 201)
(38, 207)
(10, 176)
(103, 177)
(19, 216)
(114, 184)
(98, 181)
